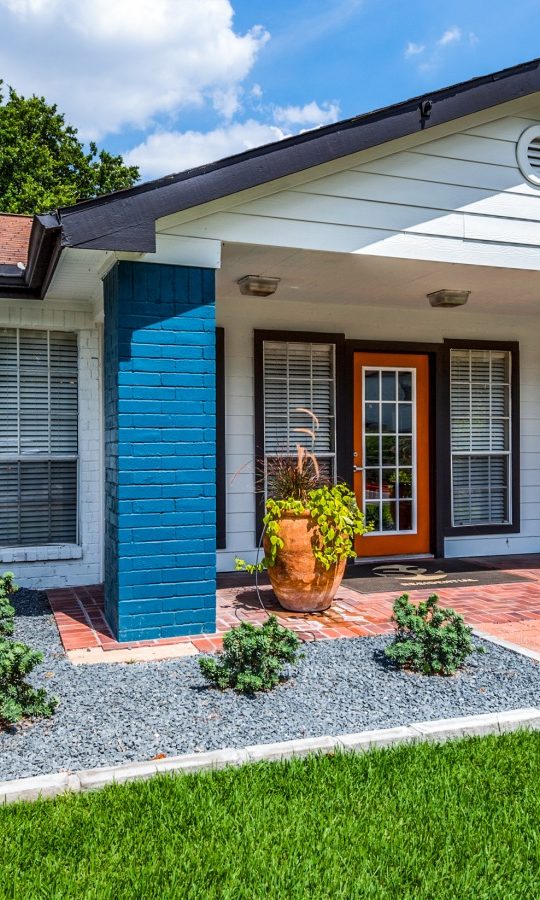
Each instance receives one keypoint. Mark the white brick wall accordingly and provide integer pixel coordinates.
(45, 567)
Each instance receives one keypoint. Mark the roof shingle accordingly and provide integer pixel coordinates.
(14, 238)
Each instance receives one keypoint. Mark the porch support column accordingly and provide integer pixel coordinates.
(160, 511)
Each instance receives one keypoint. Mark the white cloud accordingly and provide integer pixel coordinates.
(175, 151)
(311, 115)
(413, 49)
(109, 64)
(431, 56)
(451, 36)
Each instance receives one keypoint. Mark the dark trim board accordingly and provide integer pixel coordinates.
(221, 487)
(440, 450)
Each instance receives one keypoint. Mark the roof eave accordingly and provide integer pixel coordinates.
(126, 219)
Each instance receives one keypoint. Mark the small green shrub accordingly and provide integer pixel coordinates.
(429, 639)
(7, 612)
(253, 657)
(18, 699)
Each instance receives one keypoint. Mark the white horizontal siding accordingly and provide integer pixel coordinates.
(458, 198)
(240, 316)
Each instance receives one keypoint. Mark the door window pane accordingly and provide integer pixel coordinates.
(405, 386)
(372, 417)
(388, 418)
(372, 449)
(388, 451)
(388, 385)
(372, 386)
(405, 451)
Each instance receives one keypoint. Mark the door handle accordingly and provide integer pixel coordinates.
(358, 468)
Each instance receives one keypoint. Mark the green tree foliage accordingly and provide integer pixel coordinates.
(44, 165)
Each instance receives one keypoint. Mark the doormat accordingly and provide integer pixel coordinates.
(411, 575)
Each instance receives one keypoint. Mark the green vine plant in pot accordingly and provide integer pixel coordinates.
(310, 527)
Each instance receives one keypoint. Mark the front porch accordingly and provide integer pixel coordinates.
(509, 611)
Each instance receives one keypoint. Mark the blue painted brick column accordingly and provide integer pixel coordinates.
(160, 540)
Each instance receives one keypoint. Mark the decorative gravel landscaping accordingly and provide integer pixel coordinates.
(115, 713)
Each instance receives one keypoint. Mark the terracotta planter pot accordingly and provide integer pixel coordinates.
(300, 582)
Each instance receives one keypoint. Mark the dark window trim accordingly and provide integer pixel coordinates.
(515, 526)
(312, 337)
(221, 487)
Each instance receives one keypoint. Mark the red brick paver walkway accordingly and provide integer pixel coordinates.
(511, 611)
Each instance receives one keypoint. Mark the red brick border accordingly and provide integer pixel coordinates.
(80, 618)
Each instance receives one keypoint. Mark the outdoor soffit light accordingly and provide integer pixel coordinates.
(448, 299)
(257, 285)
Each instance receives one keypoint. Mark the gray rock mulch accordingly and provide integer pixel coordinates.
(115, 713)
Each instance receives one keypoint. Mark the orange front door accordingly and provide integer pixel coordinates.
(391, 452)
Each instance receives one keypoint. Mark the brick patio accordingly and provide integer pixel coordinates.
(509, 611)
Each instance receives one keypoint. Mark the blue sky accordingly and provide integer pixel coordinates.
(175, 83)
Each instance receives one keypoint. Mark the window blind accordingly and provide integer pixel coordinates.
(299, 376)
(38, 443)
(480, 436)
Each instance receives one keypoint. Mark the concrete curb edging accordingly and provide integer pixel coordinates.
(508, 645)
(45, 786)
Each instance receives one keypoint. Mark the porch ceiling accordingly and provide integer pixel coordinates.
(316, 277)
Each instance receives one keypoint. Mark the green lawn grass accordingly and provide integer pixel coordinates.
(460, 820)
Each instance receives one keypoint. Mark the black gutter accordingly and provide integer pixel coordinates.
(43, 254)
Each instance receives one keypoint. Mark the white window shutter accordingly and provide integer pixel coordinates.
(38, 452)
(480, 382)
(300, 376)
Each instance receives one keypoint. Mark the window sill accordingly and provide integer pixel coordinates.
(47, 553)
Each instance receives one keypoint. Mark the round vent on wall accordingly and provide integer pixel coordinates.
(528, 154)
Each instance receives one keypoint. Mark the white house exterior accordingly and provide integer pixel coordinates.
(359, 222)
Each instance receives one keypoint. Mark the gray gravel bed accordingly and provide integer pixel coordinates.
(115, 713)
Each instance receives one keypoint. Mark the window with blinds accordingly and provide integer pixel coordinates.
(480, 436)
(38, 437)
(299, 376)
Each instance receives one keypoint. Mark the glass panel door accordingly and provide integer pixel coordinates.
(391, 452)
